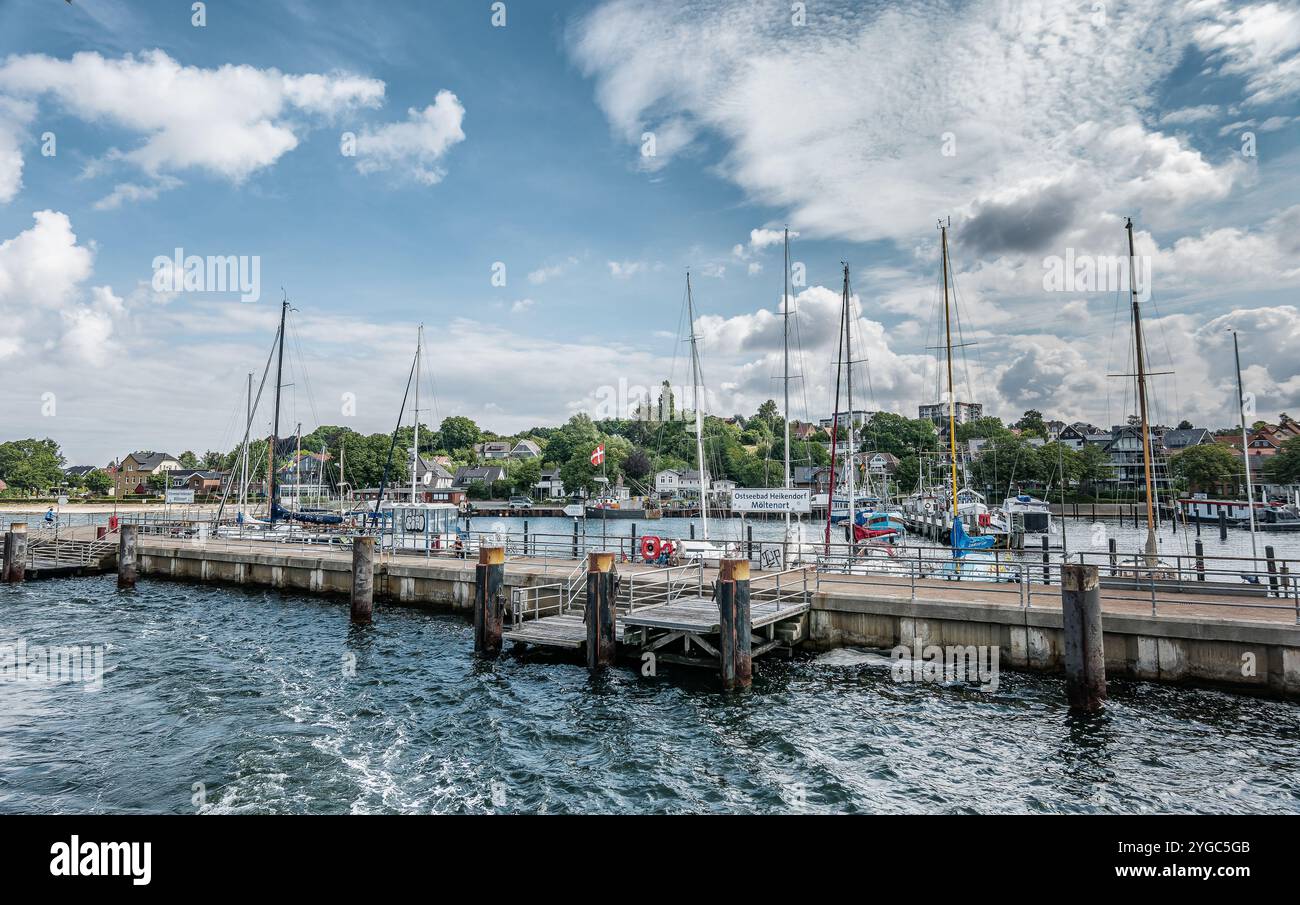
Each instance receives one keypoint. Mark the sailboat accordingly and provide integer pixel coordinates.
(415, 524)
(1148, 565)
(703, 549)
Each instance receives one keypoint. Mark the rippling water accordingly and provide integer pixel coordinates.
(249, 693)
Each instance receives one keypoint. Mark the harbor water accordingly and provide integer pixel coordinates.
(216, 699)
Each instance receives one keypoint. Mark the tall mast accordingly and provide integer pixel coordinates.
(848, 362)
(952, 397)
(699, 404)
(1140, 353)
(275, 425)
(1245, 448)
(415, 446)
(248, 419)
(785, 298)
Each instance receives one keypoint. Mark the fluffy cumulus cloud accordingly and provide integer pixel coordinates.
(416, 145)
(1035, 114)
(43, 300)
(231, 121)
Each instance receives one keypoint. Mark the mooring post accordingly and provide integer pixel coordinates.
(489, 609)
(734, 624)
(1085, 655)
(1198, 526)
(1271, 559)
(1047, 562)
(525, 537)
(749, 534)
(8, 556)
(15, 562)
(1200, 560)
(602, 644)
(575, 538)
(1223, 523)
(127, 568)
(1114, 560)
(363, 578)
(692, 531)
(633, 549)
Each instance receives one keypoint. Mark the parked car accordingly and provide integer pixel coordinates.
(521, 502)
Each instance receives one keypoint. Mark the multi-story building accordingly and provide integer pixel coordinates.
(133, 473)
(963, 412)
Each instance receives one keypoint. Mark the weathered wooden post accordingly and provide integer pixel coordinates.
(692, 531)
(489, 611)
(1085, 655)
(1047, 561)
(575, 538)
(734, 624)
(128, 569)
(1200, 559)
(602, 643)
(525, 537)
(8, 556)
(1223, 523)
(749, 546)
(15, 561)
(1271, 559)
(1114, 560)
(363, 578)
(633, 548)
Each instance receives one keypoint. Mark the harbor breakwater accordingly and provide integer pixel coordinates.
(1191, 641)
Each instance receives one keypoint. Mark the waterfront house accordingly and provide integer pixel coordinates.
(132, 476)
(478, 474)
(1175, 441)
(671, 482)
(526, 449)
(550, 486)
(1126, 459)
(723, 487)
(493, 450)
(432, 475)
(881, 463)
(816, 478)
(201, 481)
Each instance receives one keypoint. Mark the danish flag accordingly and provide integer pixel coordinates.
(598, 455)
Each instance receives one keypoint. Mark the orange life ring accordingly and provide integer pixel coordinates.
(112, 523)
(650, 547)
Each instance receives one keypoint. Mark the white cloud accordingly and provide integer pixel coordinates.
(132, 192)
(1187, 115)
(869, 164)
(14, 116)
(521, 306)
(551, 271)
(623, 270)
(1259, 42)
(42, 267)
(230, 121)
(416, 145)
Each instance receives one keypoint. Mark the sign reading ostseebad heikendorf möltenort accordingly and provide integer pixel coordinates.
(770, 499)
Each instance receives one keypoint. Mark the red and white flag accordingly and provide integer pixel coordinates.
(598, 455)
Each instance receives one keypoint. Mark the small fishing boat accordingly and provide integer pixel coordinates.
(1033, 513)
(1278, 518)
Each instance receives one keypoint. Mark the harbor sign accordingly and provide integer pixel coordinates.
(770, 499)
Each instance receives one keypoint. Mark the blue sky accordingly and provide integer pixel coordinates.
(523, 145)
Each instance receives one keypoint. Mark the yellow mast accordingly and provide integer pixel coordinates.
(952, 399)
(1142, 397)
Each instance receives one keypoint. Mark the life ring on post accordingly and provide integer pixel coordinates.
(112, 524)
(650, 548)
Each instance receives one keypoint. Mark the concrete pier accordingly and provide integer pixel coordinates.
(1243, 646)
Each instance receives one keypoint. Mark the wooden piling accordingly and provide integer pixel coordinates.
(8, 556)
(1223, 523)
(489, 607)
(575, 538)
(734, 624)
(602, 644)
(363, 579)
(1047, 561)
(1271, 559)
(15, 561)
(1200, 559)
(1084, 649)
(128, 569)
(1114, 559)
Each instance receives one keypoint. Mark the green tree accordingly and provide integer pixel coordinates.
(458, 432)
(188, 459)
(891, 433)
(98, 482)
(526, 474)
(1094, 466)
(31, 465)
(1207, 466)
(1284, 467)
(1031, 422)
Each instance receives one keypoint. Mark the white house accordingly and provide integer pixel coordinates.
(670, 481)
(550, 487)
(723, 486)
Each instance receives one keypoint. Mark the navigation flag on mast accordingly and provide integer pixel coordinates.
(598, 455)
